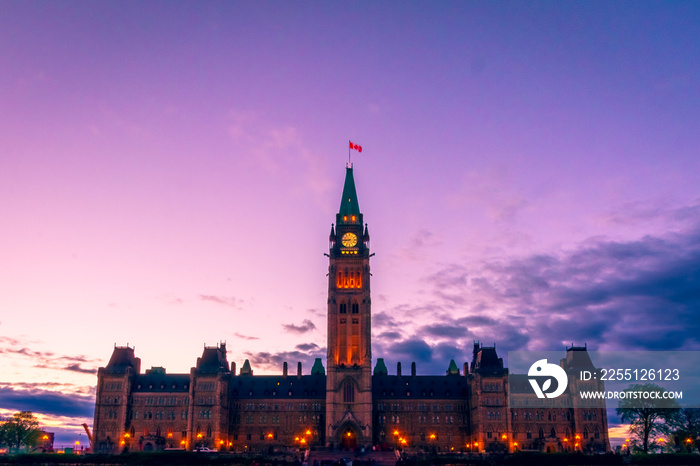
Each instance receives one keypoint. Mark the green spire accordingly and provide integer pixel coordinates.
(452, 370)
(348, 204)
(246, 370)
(318, 368)
(380, 368)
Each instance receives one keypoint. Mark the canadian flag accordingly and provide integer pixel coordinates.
(357, 147)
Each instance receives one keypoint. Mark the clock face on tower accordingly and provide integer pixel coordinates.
(349, 240)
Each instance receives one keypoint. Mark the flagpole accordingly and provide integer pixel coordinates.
(349, 150)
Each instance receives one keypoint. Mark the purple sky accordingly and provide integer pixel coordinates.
(169, 173)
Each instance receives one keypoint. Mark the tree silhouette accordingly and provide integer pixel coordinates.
(648, 415)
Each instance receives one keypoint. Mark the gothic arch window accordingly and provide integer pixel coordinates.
(552, 433)
(348, 391)
(345, 281)
(541, 433)
(340, 279)
(352, 279)
(355, 308)
(596, 434)
(585, 432)
(208, 431)
(358, 282)
(343, 308)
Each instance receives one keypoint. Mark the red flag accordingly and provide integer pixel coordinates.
(357, 147)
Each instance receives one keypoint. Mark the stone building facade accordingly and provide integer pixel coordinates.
(345, 404)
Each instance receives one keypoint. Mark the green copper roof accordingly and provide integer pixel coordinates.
(452, 370)
(318, 368)
(246, 370)
(348, 204)
(380, 367)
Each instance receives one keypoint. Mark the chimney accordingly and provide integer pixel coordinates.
(398, 369)
(233, 368)
(413, 369)
(284, 369)
(299, 369)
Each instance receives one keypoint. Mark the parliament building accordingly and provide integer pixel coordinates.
(347, 403)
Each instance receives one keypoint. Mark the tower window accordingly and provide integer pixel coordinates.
(343, 309)
(355, 308)
(348, 392)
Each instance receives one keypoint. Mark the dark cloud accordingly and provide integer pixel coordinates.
(77, 368)
(245, 337)
(65, 388)
(307, 347)
(612, 295)
(47, 359)
(387, 320)
(443, 330)
(413, 349)
(642, 294)
(47, 402)
(272, 362)
(443, 352)
(70, 367)
(306, 326)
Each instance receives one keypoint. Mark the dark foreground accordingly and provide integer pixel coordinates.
(193, 459)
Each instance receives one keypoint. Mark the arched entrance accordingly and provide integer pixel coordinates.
(348, 438)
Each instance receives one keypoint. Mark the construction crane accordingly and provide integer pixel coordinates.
(89, 435)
